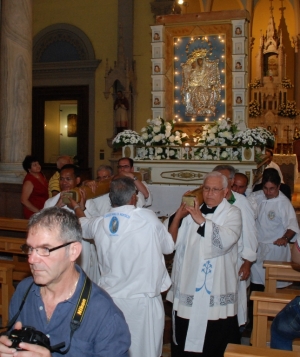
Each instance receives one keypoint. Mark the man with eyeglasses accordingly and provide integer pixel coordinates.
(69, 179)
(104, 172)
(53, 245)
(247, 244)
(130, 245)
(205, 275)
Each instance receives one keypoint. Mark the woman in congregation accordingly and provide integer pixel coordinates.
(35, 187)
(276, 224)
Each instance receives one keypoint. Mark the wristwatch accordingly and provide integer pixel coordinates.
(134, 178)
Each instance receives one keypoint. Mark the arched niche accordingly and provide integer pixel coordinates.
(64, 65)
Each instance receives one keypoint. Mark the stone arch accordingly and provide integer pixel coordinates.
(62, 42)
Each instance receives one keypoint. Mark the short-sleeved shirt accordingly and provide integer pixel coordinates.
(103, 331)
(54, 183)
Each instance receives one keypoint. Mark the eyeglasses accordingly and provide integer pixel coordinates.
(66, 179)
(42, 251)
(213, 190)
(123, 167)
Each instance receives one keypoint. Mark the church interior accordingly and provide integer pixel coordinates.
(63, 64)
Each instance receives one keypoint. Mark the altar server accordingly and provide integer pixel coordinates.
(276, 224)
(130, 245)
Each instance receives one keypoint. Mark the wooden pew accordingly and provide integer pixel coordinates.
(279, 271)
(11, 247)
(7, 289)
(266, 306)
(10, 252)
(13, 224)
(250, 351)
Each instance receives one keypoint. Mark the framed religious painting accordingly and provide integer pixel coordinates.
(198, 73)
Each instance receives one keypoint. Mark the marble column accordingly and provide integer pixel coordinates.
(16, 87)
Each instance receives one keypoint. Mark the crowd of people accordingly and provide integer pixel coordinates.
(118, 244)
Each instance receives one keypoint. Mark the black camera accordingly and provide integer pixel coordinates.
(28, 334)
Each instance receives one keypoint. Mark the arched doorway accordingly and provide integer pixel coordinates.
(64, 68)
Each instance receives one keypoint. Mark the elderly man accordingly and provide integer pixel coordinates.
(125, 168)
(53, 245)
(130, 245)
(53, 187)
(205, 275)
(69, 179)
(247, 244)
(104, 172)
(240, 183)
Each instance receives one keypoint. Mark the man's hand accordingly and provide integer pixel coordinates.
(196, 213)
(245, 270)
(60, 203)
(30, 349)
(181, 212)
(280, 242)
(92, 184)
(5, 350)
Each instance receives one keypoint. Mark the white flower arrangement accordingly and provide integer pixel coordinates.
(254, 109)
(219, 133)
(255, 84)
(288, 110)
(249, 138)
(286, 83)
(161, 132)
(127, 137)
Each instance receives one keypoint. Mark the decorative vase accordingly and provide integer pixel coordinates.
(128, 151)
(248, 154)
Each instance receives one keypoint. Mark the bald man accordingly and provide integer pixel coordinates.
(240, 183)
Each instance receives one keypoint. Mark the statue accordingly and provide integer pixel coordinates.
(201, 84)
(121, 107)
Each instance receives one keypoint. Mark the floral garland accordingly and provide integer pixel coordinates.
(127, 137)
(288, 110)
(254, 109)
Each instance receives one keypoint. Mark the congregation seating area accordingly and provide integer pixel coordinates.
(13, 263)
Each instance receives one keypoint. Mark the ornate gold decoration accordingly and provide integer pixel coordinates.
(183, 175)
(201, 84)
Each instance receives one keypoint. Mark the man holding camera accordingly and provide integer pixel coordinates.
(59, 301)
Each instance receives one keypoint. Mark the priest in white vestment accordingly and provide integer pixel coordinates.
(130, 245)
(69, 179)
(247, 244)
(205, 273)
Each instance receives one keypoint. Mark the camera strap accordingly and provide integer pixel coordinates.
(78, 314)
(14, 319)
